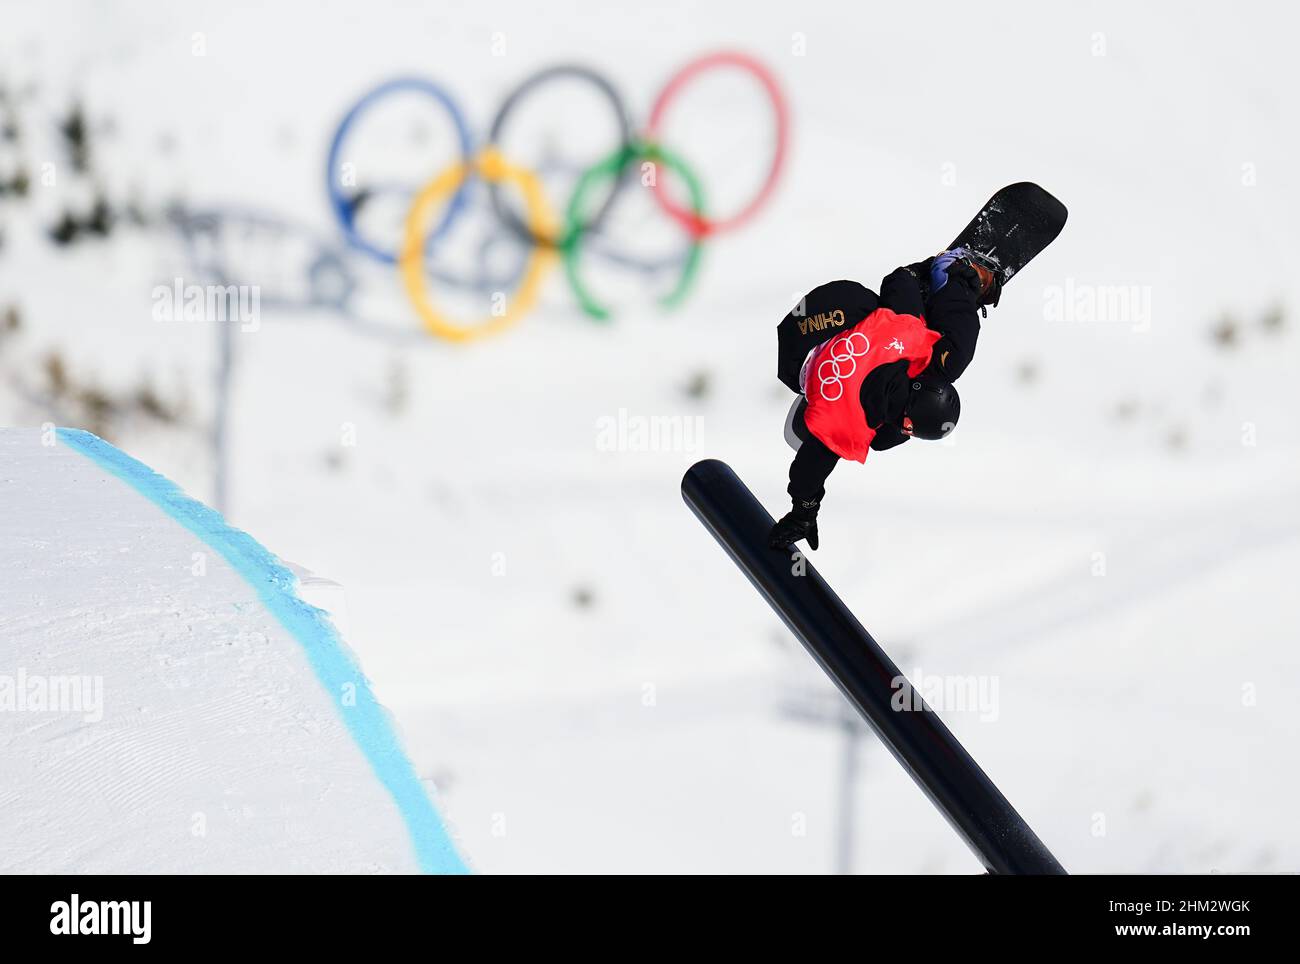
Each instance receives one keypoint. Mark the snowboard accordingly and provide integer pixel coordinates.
(1012, 228)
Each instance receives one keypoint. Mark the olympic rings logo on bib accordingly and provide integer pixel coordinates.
(843, 351)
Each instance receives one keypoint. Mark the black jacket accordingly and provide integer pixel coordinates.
(951, 311)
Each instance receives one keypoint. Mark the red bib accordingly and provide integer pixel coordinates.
(836, 370)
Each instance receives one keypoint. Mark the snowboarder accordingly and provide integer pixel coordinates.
(882, 375)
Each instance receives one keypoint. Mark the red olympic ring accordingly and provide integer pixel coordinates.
(698, 225)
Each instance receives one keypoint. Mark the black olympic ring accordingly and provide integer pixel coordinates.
(503, 210)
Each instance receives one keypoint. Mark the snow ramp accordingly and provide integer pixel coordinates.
(168, 702)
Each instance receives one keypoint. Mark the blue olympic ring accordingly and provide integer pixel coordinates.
(345, 207)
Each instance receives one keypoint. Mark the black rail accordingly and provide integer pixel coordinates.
(869, 679)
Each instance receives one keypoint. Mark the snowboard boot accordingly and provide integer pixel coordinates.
(990, 291)
(980, 273)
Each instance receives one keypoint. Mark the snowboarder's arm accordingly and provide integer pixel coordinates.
(954, 313)
(900, 292)
(884, 394)
(811, 467)
(812, 464)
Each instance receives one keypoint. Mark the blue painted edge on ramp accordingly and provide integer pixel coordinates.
(332, 661)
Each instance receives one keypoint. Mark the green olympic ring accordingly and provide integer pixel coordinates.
(614, 166)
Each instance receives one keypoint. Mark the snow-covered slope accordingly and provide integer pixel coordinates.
(167, 703)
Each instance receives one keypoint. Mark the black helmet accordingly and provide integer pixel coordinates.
(933, 406)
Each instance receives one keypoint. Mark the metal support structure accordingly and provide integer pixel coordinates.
(845, 838)
(221, 419)
(866, 676)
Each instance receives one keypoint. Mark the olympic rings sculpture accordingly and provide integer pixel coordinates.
(345, 208)
(442, 200)
(490, 166)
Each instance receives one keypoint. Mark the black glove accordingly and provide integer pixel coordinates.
(799, 523)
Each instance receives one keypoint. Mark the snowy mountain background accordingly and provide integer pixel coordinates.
(571, 659)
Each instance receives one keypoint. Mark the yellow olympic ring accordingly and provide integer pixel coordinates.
(490, 166)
